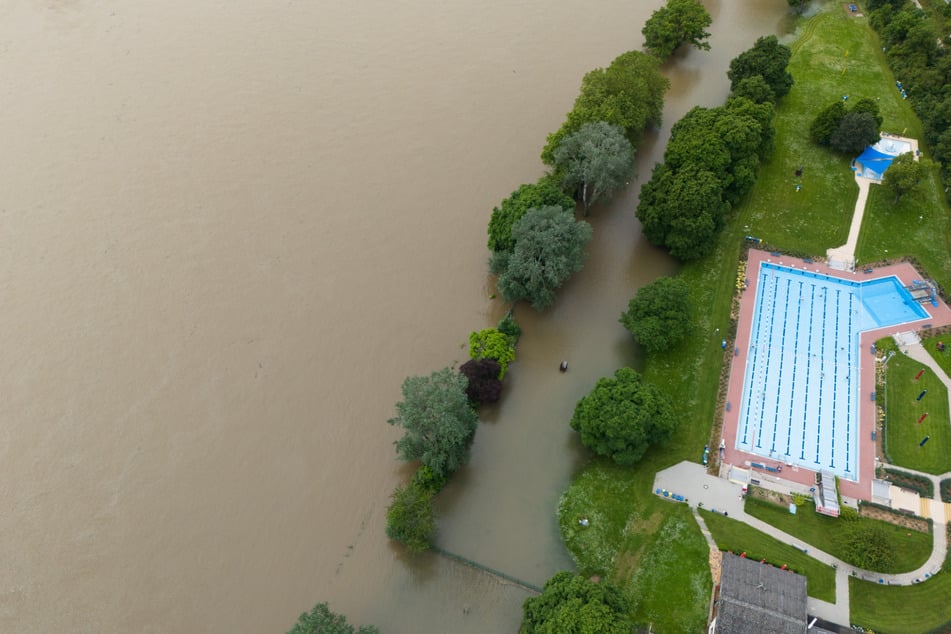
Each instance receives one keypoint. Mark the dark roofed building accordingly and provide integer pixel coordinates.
(755, 598)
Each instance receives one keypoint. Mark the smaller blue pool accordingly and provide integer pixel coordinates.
(889, 303)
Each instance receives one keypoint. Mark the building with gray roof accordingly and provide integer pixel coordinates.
(756, 598)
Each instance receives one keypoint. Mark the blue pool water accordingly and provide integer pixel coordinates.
(800, 387)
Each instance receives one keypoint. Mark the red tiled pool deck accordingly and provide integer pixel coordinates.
(938, 316)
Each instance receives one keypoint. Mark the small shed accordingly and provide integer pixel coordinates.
(755, 598)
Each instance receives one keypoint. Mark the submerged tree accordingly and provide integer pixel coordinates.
(410, 519)
(595, 161)
(546, 192)
(321, 620)
(767, 58)
(549, 248)
(438, 420)
(678, 22)
(484, 383)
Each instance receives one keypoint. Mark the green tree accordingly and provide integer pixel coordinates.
(621, 417)
(903, 175)
(492, 343)
(571, 604)
(827, 122)
(321, 620)
(682, 210)
(866, 545)
(594, 161)
(546, 192)
(857, 130)
(755, 89)
(767, 58)
(659, 315)
(410, 519)
(870, 106)
(549, 248)
(678, 22)
(438, 421)
(797, 5)
(629, 93)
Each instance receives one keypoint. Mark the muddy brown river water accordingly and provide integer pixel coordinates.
(228, 231)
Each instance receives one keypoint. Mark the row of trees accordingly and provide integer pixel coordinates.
(917, 49)
(439, 420)
(713, 155)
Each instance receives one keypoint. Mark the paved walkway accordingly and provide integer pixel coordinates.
(722, 496)
(843, 257)
(719, 495)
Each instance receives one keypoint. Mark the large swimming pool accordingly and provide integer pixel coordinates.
(800, 387)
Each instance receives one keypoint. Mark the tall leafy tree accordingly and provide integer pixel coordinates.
(682, 210)
(677, 22)
(410, 519)
(755, 89)
(621, 417)
(855, 131)
(571, 604)
(903, 175)
(321, 620)
(767, 58)
(660, 314)
(439, 423)
(549, 248)
(629, 93)
(827, 122)
(595, 161)
(546, 192)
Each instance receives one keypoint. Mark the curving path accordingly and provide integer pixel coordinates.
(716, 494)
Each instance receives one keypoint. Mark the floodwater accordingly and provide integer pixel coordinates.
(227, 232)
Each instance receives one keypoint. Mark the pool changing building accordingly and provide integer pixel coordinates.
(755, 598)
(800, 403)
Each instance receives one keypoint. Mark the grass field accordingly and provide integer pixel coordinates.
(943, 358)
(923, 607)
(738, 537)
(903, 433)
(629, 544)
(911, 549)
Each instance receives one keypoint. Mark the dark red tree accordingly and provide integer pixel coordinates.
(484, 383)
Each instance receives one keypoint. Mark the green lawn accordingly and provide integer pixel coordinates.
(942, 357)
(649, 547)
(903, 433)
(923, 607)
(911, 548)
(738, 537)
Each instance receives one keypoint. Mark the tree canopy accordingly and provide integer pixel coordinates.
(903, 175)
(484, 383)
(866, 545)
(677, 22)
(659, 315)
(410, 519)
(629, 93)
(755, 89)
(827, 122)
(621, 417)
(856, 131)
(571, 604)
(767, 58)
(546, 192)
(682, 210)
(710, 163)
(594, 161)
(438, 421)
(321, 620)
(492, 343)
(549, 248)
